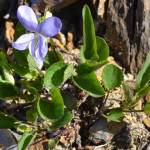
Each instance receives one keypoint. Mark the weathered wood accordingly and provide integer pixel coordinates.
(128, 30)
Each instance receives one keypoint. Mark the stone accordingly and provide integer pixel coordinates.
(99, 132)
(103, 131)
(7, 140)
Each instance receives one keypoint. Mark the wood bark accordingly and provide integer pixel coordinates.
(127, 30)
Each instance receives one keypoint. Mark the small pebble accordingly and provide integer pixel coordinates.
(99, 132)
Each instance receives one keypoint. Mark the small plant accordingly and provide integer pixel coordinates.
(34, 78)
(142, 88)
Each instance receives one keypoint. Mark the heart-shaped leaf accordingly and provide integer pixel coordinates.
(57, 74)
(89, 83)
(54, 109)
(26, 139)
(112, 76)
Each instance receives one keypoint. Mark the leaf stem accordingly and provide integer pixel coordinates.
(133, 110)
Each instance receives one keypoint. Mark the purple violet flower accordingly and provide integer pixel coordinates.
(36, 41)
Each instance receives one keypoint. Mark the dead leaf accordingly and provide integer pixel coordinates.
(9, 31)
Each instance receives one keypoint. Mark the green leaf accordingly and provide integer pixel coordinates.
(8, 76)
(52, 57)
(34, 86)
(115, 114)
(20, 57)
(143, 76)
(19, 30)
(32, 115)
(143, 91)
(57, 74)
(54, 109)
(26, 139)
(19, 69)
(85, 68)
(147, 108)
(67, 117)
(128, 95)
(7, 122)
(24, 65)
(7, 90)
(20, 63)
(112, 76)
(3, 59)
(24, 128)
(52, 143)
(70, 100)
(32, 65)
(89, 83)
(5, 70)
(102, 49)
(89, 38)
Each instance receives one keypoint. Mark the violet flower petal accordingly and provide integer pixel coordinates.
(50, 27)
(33, 47)
(34, 51)
(43, 46)
(38, 48)
(23, 41)
(38, 59)
(27, 18)
(39, 62)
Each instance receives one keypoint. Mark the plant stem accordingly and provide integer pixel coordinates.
(104, 102)
(133, 110)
